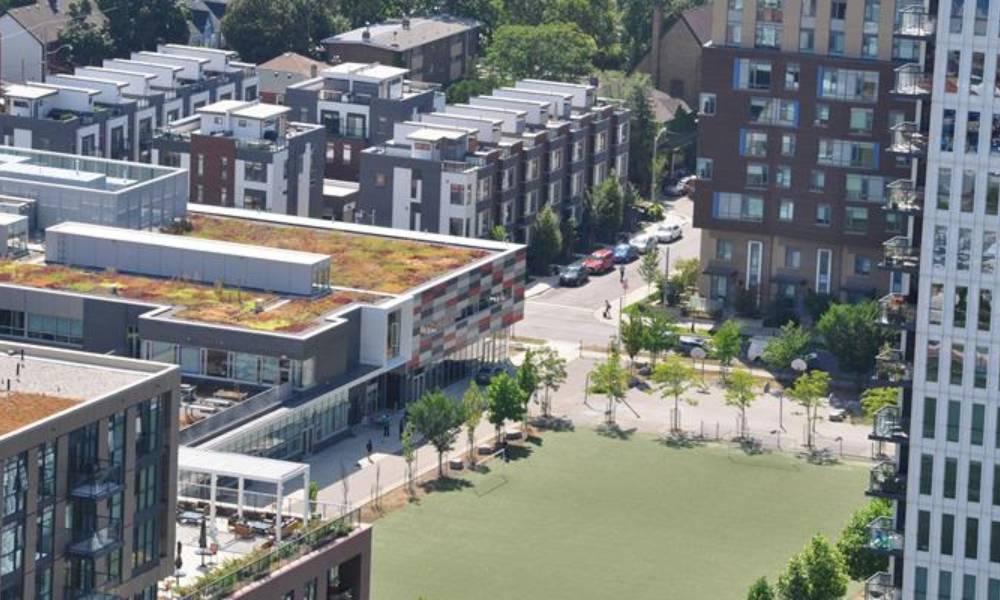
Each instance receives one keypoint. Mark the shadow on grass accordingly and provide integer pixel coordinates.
(445, 484)
(613, 431)
(680, 441)
(517, 452)
(534, 440)
(553, 424)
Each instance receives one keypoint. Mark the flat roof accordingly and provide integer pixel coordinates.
(164, 240)
(231, 464)
(45, 381)
(393, 34)
(71, 168)
(339, 188)
(33, 171)
(8, 219)
(262, 111)
(430, 134)
(381, 72)
(223, 106)
(30, 92)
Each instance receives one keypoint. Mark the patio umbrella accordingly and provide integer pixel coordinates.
(178, 559)
(203, 540)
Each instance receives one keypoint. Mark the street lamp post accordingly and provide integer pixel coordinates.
(799, 366)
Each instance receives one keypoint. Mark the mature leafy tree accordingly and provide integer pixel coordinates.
(674, 377)
(361, 12)
(460, 91)
(473, 407)
(557, 51)
(568, 230)
(262, 29)
(649, 267)
(860, 561)
(642, 136)
(505, 402)
(142, 24)
(437, 418)
(611, 379)
(852, 333)
(873, 399)
(487, 12)
(661, 334)
(521, 12)
(809, 390)
(793, 583)
(791, 342)
(633, 336)
(599, 19)
(546, 241)
(608, 209)
(825, 568)
(551, 374)
(760, 590)
(726, 344)
(741, 391)
(88, 44)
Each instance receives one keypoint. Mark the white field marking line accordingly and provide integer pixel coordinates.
(565, 306)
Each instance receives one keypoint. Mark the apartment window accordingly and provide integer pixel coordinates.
(807, 39)
(935, 306)
(737, 207)
(940, 245)
(817, 181)
(920, 583)
(972, 132)
(734, 32)
(956, 370)
(869, 46)
(926, 474)
(757, 175)
(943, 188)
(847, 153)
(981, 366)
(838, 9)
(755, 258)
(993, 590)
(46, 469)
(724, 250)
(963, 255)
(985, 310)
(933, 360)
(851, 85)
(457, 196)
(961, 306)
(957, 10)
(823, 215)
(971, 537)
(200, 165)
(793, 258)
(774, 111)
(822, 115)
(11, 548)
(836, 42)
(864, 188)
(861, 120)
(706, 104)
(976, 73)
(345, 154)
(968, 198)
(754, 143)
(947, 541)
(752, 74)
(989, 254)
(767, 35)
(982, 14)
(948, 131)
(788, 144)
(704, 169)
(792, 76)
(144, 543)
(856, 219)
(255, 171)
(950, 477)
(992, 193)
(975, 480)
(145, 487)
(923, 530)
(862, 266)
(783, 176)
(823, 267)
(199, 192)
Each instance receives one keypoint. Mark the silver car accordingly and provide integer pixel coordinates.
(643, 243)
(668, 232)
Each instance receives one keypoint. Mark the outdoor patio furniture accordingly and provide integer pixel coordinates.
(243, 531)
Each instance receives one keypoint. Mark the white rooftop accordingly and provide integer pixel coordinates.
(428, 134)
(231, 464)
(223, 106)
(188, 243)
(30, 92)
(8, 219)
(339, 188)
(262, 111)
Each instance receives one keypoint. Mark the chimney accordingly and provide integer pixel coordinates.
(654, 47)
(406, 23)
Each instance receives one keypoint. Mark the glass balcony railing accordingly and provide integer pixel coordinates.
(892, 369)
(880, 587)
(900, 254)
(912, 80)
(884, 481)
(902, 196)
(888, 425)
(107, 536)
(883, 537)
(897, 311)
(908, 139)
(99, 481)
(914, 21)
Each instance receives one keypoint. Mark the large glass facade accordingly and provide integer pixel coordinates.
(235, 366)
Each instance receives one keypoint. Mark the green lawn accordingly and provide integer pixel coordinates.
(590, 517)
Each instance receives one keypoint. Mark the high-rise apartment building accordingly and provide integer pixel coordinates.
(803, 90)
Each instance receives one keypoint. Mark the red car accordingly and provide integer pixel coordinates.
(600, 261)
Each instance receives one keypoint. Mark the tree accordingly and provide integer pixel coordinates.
(726, 344)
(437, 418)
(685, 273)
(816, 573)
(809, 390)
(409, 456)
(633, 336)
(88, 43)
(675, 377)
(262, 29)
(551, 374)
(860, 561)
(473, 406)
(741, 391)
(642, 137)
(598, 19)
(661, 334)
(498, 233)
(527, 379)
(608, 209)
(558, 51)
(143, 24)
(853, 334)
(505, 402)
(873, 399)
(611, 379)
(649, 267)
(760, 590)
(791, 342)
(460, 91)
(567, 228)
(546, 241)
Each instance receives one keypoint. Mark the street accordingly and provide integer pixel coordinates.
(574, 314)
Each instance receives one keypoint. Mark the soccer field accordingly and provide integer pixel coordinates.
(586, 517)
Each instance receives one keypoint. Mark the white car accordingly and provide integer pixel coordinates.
(668, 232)
(643, 243)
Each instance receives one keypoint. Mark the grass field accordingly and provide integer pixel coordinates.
(586, 516)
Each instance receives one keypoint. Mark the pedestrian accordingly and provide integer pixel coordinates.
(402, 426)
(607, 309)
(368, 447)
(621, 273)
(767, 387)
(385, 426)
(506, 451)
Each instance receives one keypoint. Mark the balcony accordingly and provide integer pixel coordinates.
(879, 587)
(90, 595)
(911, 81)
(889, 426)
(899, 254)
(907, 140)
(892, 369)
(96, 542)
(883, 537)
(99, 482)
(902, 196)
(914, 22)
(884, 481)
(897, 311)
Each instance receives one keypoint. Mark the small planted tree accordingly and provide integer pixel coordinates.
(409, 456)
(473, 406)
(610, 378)
(649, 267)
(791, 342)
(504, 402)
(661, 335)
(760, 590)
(726, 343)
(674, 376)
(437, 418)
(741, 391)
(527, 380)
(633, 336)
(825, 570)
(809, 390)
(551, 374)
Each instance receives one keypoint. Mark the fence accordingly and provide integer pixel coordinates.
(228, 500)
(234, 415)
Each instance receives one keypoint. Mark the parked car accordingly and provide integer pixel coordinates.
(600, 261)
(838, 415)
(755, 351)
(668, 232)
(624, 253)
(486, 373)
(687, 343)
(574, 275)
(683, 187)
(643, 243)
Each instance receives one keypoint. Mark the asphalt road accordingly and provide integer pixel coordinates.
(573, 314)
